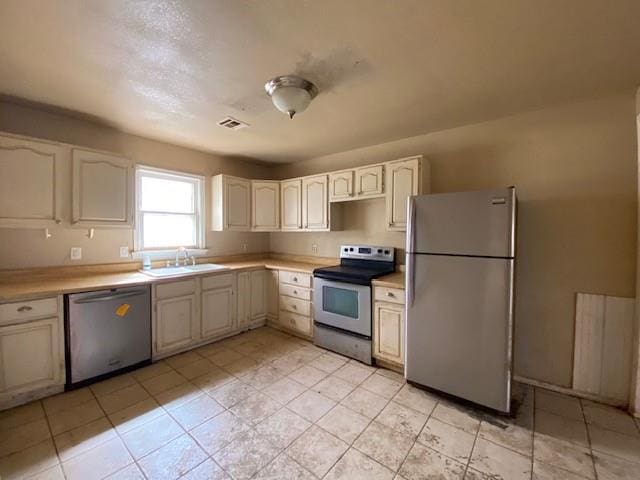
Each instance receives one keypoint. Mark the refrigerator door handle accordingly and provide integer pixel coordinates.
(410, 267)
(411, 220)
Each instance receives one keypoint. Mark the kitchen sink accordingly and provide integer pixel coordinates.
(183, 270)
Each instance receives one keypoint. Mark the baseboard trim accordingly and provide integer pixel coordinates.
(569, 391)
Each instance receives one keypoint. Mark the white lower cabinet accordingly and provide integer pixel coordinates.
(258, 295)
(272, 295)
(217, 312)
(30, 355)
(31, 351)
(190, 313)
(244, 300)
(175, 325)
(294, 303)
(388, 329)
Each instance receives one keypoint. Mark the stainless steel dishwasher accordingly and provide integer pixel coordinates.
(107, 331)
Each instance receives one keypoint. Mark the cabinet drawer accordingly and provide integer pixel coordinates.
(294, 278)
(296, 292)
(387, 294)
(296, 322)
(175, 289)
(15, 312)
(295, 305)
(217, 281)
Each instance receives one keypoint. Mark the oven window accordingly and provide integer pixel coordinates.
(340, 301)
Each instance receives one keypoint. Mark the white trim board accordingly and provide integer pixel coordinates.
(569, 391)
(603, 339)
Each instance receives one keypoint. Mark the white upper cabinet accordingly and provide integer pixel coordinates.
(231, 198)
(291, 204)
(315, 205)
(402, 180)
(265, 205)
(30, 182)
(102, 189)
(370, 181)
(341, 186)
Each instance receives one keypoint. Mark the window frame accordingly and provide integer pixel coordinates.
(199, 207)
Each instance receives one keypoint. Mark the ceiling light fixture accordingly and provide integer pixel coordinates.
(291, 94)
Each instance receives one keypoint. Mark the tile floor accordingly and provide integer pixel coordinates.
(266, 405)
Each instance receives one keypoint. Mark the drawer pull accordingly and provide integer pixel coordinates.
(25, 308)
(295, 307)
(295, 279)
(295, 292)
(390, 294)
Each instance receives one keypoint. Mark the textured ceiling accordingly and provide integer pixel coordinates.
(386, 69)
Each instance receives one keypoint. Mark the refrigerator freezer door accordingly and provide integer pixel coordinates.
(470, 223)
(459, 324)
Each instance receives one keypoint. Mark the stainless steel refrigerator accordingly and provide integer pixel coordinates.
(460, 294)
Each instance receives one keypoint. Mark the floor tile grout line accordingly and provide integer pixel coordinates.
(351, 445)
(475, 439)
(586, 427)
(52, 438)
(533, 430)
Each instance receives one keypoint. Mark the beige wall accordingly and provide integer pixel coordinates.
(28, 248)
(575, 170)
(634, 396)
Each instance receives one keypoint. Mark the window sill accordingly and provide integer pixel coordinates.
(169, 254)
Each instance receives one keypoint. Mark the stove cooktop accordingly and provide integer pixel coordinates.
(359, 264)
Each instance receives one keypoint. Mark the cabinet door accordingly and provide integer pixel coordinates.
(340, 186)
(403, 180)
(315, 207)
(30, 182)
(291, 204)
(369, 181)
(388, 332)
(258, 294)
(265, 206)
(175, 323)
(30, 356)
(102, 189)
(272, 294)
(244, 299)
(217, 312)
(237, 203)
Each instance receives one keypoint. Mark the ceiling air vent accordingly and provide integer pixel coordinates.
(232, 123)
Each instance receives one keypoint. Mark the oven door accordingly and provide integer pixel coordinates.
(342, 305)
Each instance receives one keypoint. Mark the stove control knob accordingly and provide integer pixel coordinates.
(351, 249)
(379, 250)
(386, 252)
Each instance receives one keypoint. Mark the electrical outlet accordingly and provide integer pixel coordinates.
(244, 247)
(76, 253)
(314, 248)
(124, 252)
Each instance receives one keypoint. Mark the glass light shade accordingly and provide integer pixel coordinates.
(291, 100)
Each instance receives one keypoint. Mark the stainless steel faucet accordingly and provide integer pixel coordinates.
(186, 255)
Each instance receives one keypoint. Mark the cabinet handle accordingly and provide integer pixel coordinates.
(58, 221)
(390, 294)
(25, 308)
(294, 307)
(295, 279)
(295, 292)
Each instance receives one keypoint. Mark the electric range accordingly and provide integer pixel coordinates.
(342, 302)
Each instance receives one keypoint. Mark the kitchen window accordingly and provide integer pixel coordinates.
(169, 209)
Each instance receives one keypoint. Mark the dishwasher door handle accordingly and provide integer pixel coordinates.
(109, 296)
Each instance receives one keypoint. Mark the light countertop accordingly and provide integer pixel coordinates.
(393, 280)
(33, 283)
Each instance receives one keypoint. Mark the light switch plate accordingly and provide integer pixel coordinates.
(76, 253)
(124, 252)
(314, 248)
